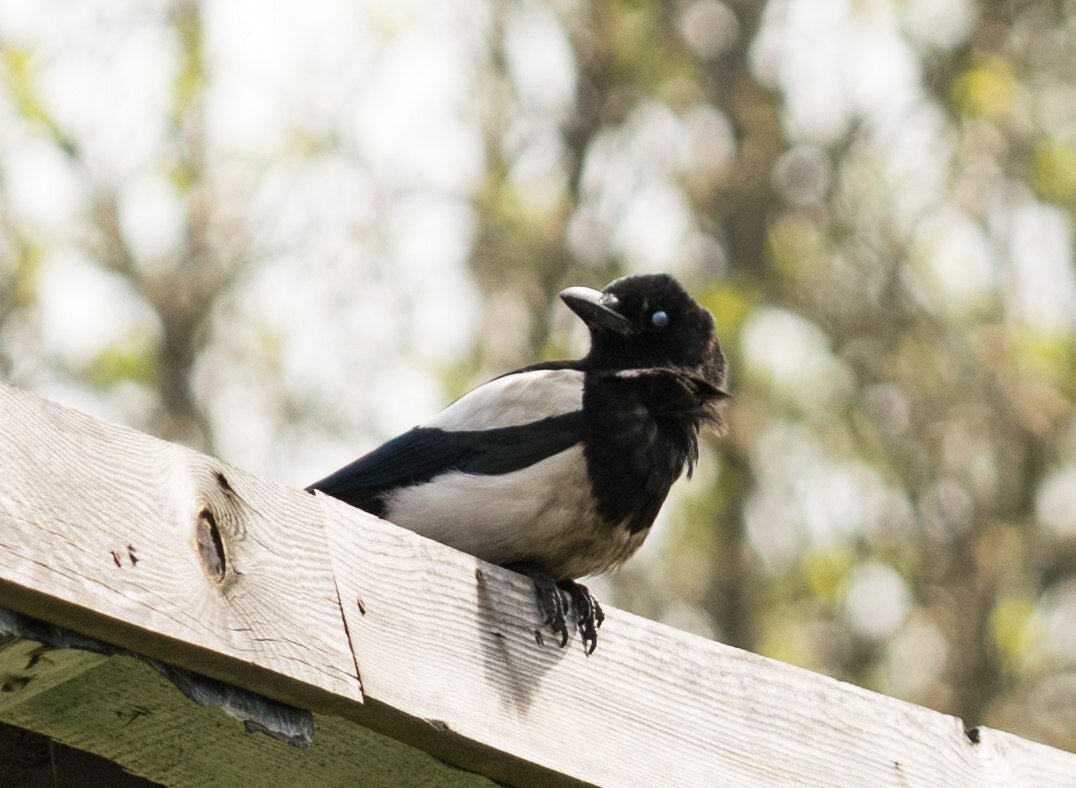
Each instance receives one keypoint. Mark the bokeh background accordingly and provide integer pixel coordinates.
(283, 232)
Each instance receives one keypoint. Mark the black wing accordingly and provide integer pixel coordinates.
(426, 452)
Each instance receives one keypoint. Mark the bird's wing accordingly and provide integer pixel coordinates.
(504, 425)
(517, 398)
(417, 454)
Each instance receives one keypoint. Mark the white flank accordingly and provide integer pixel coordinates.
(541, 513)
(514, 400)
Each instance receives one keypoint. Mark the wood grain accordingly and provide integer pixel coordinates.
(101, 524)
(28, 669)
(451, 639)
(99, 532)
(125, 711)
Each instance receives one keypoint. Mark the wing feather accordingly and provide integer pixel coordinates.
(426, 452)
(516, 399)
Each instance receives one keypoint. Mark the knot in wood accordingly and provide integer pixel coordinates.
(211, 546)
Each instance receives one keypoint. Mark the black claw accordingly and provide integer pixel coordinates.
(588, 613)
(553, 601)
(554, 605)
(558, 622)
(556, 599)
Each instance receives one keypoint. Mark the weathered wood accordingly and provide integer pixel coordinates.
(100, 532)
(125, 711)
(28, 668)
(444, 644)
(452, 639)
(106, 531)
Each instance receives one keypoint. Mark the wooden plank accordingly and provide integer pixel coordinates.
(99, 531)
(28, 668)
(125, 711)
(448, 638)
(106, 530)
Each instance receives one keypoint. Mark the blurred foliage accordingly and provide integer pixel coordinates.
(951, 411)
(895, 502)
(1055, 172)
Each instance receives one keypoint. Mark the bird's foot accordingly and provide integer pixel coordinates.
(588, 613)
(556, 599)
(552, 600)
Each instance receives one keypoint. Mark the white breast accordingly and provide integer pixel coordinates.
(543, 513)
(514, 400)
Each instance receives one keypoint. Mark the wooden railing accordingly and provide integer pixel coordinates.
(403, 648)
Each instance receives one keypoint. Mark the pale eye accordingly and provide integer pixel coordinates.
(660, 318)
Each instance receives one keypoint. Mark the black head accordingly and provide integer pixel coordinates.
(645, 321)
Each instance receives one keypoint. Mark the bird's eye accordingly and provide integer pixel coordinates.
(660, 318)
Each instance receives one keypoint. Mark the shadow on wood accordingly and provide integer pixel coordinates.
(176, 556)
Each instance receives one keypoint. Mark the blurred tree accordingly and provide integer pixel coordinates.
(924, 432)
(875, 199)
(182, 290)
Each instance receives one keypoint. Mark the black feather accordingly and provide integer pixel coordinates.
(426, 452)
(638, 443)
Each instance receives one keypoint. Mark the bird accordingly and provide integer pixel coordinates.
(557, 470)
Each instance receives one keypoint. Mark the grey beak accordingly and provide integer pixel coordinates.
(597, 309)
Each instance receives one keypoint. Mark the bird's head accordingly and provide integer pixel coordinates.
(648, 321)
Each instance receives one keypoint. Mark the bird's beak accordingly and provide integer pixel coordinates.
(597, 309)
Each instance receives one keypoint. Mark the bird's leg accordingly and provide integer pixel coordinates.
(552, 599)
(588, 612)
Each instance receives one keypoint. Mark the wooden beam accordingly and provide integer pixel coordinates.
(174, 555)
(28, 668)
(164, 551)
(125, 711)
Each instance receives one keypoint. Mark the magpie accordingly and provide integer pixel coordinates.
(557, 470)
